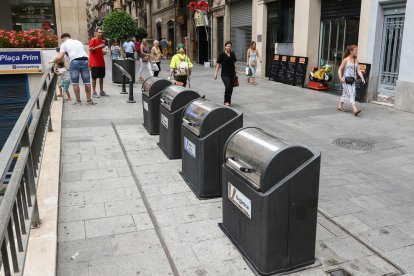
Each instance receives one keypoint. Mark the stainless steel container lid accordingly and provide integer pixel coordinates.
(170, 93)
(202, 116)
(261, 157)
(154, 85)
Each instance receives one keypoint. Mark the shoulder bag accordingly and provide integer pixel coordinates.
(351, 80)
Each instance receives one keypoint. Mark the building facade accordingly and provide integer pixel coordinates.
(322, 29)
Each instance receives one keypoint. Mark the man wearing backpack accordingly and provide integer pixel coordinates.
(180, 66)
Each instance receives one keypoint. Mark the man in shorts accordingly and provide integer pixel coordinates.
(78, 66)
(97, 62)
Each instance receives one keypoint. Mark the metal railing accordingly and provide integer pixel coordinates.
(125, 74)
(21, 157)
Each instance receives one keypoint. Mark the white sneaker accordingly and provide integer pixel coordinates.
(75, 102)
(95, 95)
(90, 102)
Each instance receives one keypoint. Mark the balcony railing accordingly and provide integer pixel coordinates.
(20, 159)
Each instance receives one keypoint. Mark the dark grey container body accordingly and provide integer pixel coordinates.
(280, 234)
(151, 112)
(202, 170)
(170, 124)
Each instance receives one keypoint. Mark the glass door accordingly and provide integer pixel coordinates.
(336, 35)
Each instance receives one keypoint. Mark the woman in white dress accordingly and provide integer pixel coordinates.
(350, 69)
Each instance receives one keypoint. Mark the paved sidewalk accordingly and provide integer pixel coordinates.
(105, 227)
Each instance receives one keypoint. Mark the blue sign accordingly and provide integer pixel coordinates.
(15, 62)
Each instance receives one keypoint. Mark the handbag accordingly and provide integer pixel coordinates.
(351, 80)
(248, 71)
(154, 67)
(235, 81)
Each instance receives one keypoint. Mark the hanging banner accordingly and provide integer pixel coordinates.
(200, 19)
(15, 62)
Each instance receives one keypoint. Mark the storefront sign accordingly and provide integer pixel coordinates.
(20, 62)
(200, 19)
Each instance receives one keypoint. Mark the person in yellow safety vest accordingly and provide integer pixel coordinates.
(180, 66)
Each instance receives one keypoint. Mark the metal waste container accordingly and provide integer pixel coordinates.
(173, 100)
(270, 200)
(151, 93)
(204, 131)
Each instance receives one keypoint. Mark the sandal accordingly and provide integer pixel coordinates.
(357, 112)
(341, 109)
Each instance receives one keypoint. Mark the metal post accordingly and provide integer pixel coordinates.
(123, 85)
(131, 93)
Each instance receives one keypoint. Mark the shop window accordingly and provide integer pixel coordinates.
(33, 15)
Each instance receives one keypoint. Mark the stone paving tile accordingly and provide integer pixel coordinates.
(79, 186)
(387, 238)
(106, 195)
(115, 183)
(109, 226)
(142, 221)
(73, 269)
(347, 248)
(132, 264)
(71, 199)
(87, 249)
(135, 242)
(69, 231)
(99, 174)
(81, 212)
(403, 257)
(124, 207)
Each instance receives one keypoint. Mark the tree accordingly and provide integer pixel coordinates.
(119, 25)
(141, 33)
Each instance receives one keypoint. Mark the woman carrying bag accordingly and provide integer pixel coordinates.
(156, 56)
(252, 58)
(227, 60)
(145, 58)
(350, 69)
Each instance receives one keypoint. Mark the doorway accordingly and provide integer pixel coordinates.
(202, 44)
(158, 36)
(336, 35)
(392, 36)
(271, 36)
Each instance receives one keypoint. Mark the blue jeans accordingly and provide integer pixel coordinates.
(79, 67)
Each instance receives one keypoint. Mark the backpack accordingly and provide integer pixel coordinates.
(182, 68)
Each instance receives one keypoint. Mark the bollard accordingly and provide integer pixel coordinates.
(131, 93)
(123, 85)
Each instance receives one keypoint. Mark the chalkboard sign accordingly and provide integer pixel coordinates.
(282, 69)
(300, 74)
(291, 71)
(359, 86)
(274, 70)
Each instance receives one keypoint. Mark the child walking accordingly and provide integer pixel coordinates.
(64, 75)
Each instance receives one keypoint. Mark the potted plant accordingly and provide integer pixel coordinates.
(119, 26)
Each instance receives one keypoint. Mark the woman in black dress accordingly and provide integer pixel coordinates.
(227, 60)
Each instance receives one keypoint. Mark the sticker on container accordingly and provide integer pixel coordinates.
(240, 200)
(189, 147)
(164, 121)
(145, 105)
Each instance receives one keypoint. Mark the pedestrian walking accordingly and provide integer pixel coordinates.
(347, 72)
(227, 60)
(97, 62)
(115, 50)
(129, 48)
(156, 56)
(164, 47)
(64, 76)
(180, 66)
(169, 48)
(252, 57)
(78, 66)
(137, 48)
(145, 58)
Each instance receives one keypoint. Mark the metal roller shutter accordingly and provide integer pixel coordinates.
(338, 8)
(241, 27)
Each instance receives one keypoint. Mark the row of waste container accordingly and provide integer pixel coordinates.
(269, 186)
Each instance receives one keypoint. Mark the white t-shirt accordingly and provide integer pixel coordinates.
(74, 49)
(64, 74)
